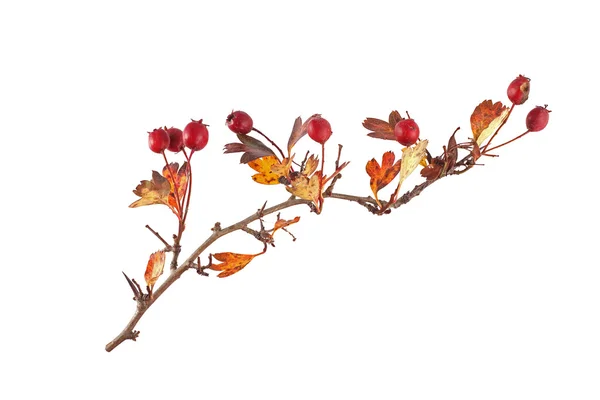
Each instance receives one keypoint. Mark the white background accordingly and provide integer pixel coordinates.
(484, 287)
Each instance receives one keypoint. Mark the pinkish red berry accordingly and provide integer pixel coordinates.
(518, 90)
(319, 130)
(407, 132)
(175, 139)
(195, 135)
(537, 119)
(158, 140)
(239, 122)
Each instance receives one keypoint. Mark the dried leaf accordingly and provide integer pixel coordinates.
(232, 262)
(306, 188)
(282, 223)
(431, 172)
(394, 118)
(382, 175)
(486, 119)
(411, 158)
(298, 131)
(251, 147)
(264, 167)
(155, 267)
(451, 153)
(311, 165)
(151, 192)
(181, 179)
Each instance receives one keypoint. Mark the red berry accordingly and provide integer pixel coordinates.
(319, 129)
(407, 132)
(195, 135)
(175, 139)
(158, 140)
(239, 122)
(537, 119)
(518, 90)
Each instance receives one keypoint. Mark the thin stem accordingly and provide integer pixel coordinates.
(189, 188)
(510, 141)
(270, 141)
(167, 245)
(174, 184)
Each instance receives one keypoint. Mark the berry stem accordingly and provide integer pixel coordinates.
(189, 188)
(175, 188)
(510, 141)
(270, 141)
(498, 130)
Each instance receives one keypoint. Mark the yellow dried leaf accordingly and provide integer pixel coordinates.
(307, 188)
(411, 158)
(311, 165)
(232, 262)
(265, 174)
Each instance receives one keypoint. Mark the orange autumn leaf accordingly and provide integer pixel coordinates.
(181, 180)
(267, 174)
(155, 267)
(382, 175)
(486, 119)
(282, 223)
(232, 262)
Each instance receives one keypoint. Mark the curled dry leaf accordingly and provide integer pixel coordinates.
(383, 129)
(411, 158)
(161, 189)
(155, 267)
(251, 147)
(232, 262)
(283, 223)
(298, 131)
(486, 119)
(382, 175)
(269, 169)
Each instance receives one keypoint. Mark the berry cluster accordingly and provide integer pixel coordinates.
(194, 136)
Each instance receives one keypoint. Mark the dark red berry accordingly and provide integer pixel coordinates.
(407, 132)
(319, 129)
(518, 90)
(175, 139)
(537, 119)
(195, 135)
(239, 122)
(158, 140)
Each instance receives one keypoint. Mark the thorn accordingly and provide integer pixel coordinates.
(136, 293)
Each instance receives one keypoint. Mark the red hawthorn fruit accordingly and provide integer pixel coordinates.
(319, 130)
(518, 90)
(239, 122)
(407, 132)
(158, 140)
(175, 139)
(537, 119)
(195, 135)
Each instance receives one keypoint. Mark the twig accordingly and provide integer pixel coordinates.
(168, 247)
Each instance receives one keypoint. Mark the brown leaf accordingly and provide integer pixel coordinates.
(155, 267)
(382, 175)
(486, 119)
(232, 262)
(431, 172)
(298, 131)
(394, 118)
(451, 155)
(251, 147)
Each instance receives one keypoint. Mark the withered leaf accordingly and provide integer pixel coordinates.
(382, 175)
(306, 188)
(394, 118)
(154, 268)
(181, 176)
(298, 131)
(251, 147)
(432, 171)
(311, 165)
(267, 175)
(232, 262)
(151, 192)
(282, 223)
(411, 158)
(486, 119)
(451, 155)
(383, 129)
